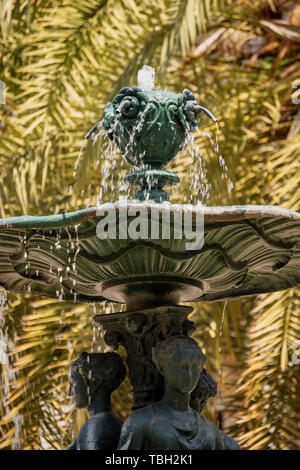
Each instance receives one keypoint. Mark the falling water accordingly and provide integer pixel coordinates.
(200, 185)
(225, 175)
(8, 375)
(224, 169)
(110, 189)
(197, 171)
(201, 188)
(109, 153)
(79, 157)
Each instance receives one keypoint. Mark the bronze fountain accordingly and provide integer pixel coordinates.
(92, 255)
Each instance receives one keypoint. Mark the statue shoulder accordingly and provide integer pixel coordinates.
(207, 423)
(134, 433)
(139, 419)
(101, 423)
(100, 432)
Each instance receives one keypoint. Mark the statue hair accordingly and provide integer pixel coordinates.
(100, 369)
(205, 388)
(162, 351)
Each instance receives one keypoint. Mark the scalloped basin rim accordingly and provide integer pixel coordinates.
(220, 213)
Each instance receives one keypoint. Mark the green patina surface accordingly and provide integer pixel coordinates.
(150, 127)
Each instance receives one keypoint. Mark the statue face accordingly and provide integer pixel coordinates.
(182, 370)
(78, 390)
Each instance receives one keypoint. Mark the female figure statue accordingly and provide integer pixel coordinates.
(93, 377)
(171, 424)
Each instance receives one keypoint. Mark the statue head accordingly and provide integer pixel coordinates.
(180, 361)
(91, 373)
(205, 388)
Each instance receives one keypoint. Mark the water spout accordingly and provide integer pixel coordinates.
(209, 114)
(146, 76)
(93, 129)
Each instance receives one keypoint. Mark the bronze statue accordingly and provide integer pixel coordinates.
(171, 424)
(93, 377)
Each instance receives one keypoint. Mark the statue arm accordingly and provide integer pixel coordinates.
(230, 443)
(225, 442)
(222, 441)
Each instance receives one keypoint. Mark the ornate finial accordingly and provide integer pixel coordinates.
(150, 127)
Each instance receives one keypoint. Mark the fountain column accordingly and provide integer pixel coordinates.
(138, 332)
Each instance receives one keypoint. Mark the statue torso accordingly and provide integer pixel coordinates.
(155, 427)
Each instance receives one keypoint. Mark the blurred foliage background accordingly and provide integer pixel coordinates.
(61, 62)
